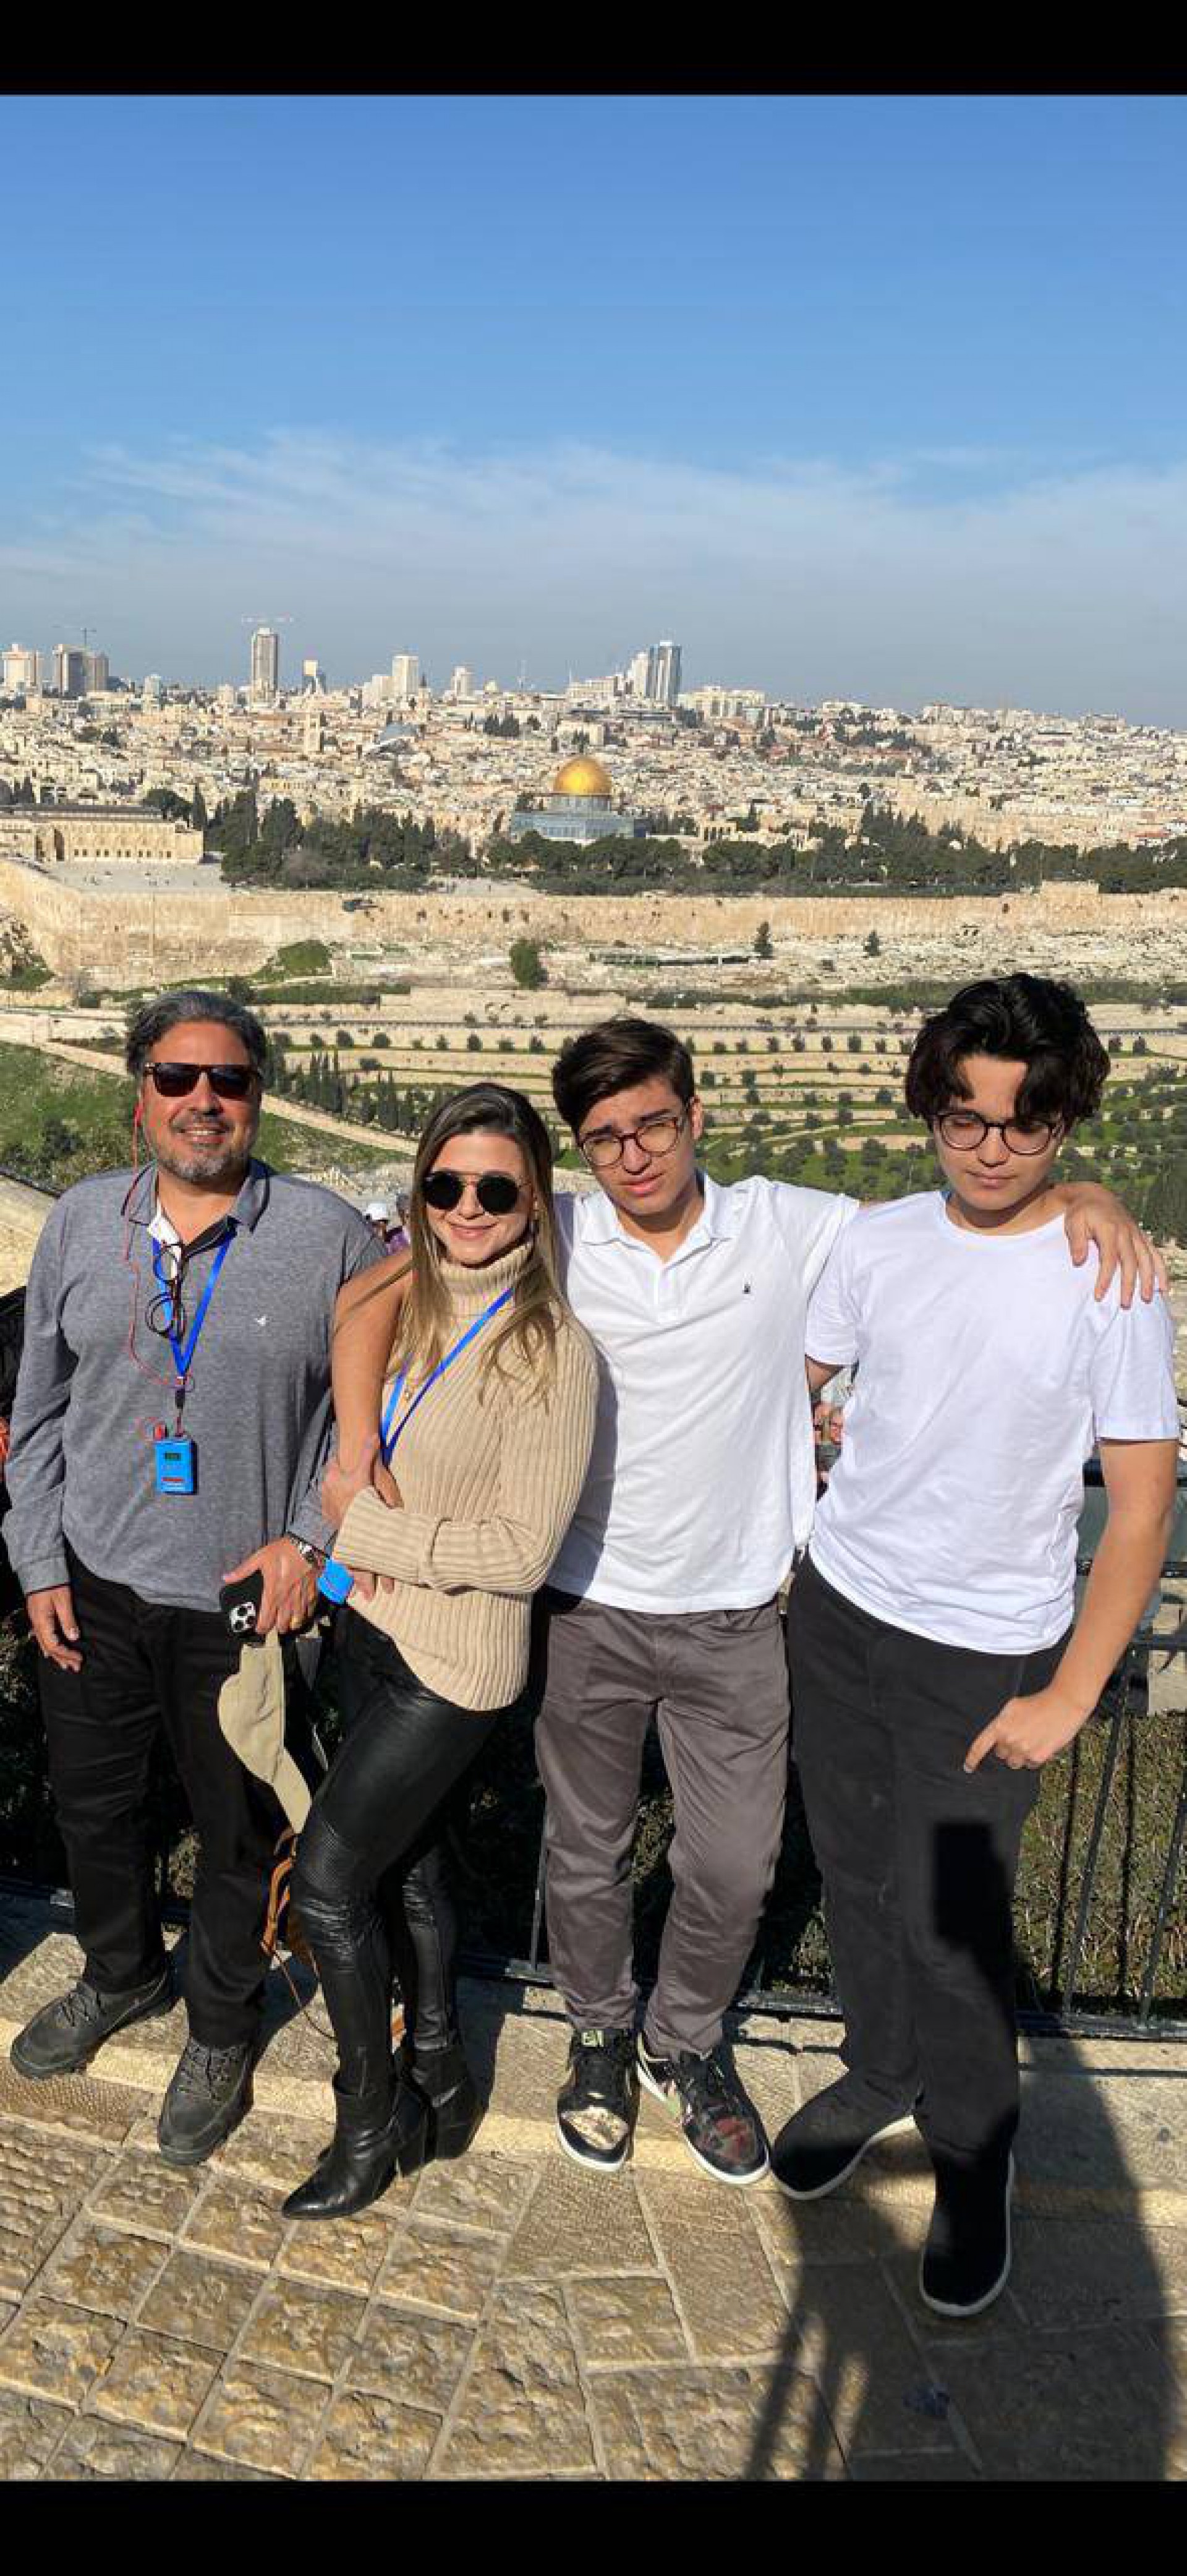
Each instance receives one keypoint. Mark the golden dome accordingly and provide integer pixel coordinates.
(582, 777)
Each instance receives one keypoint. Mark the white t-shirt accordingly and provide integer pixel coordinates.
(702, 1479)
(986, 1373)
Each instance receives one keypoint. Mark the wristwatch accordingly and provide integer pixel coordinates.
(314, 1556)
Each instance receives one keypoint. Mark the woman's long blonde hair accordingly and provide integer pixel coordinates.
(423, 1331)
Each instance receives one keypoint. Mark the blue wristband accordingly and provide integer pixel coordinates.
(335, 1580)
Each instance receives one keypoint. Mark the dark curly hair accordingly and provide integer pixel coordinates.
(1026, 1018)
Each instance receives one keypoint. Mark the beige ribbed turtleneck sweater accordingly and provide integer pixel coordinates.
(489, 1471)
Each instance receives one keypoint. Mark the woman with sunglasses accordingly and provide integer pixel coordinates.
(488, 1423)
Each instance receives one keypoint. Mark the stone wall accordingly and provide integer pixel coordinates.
(123, 938)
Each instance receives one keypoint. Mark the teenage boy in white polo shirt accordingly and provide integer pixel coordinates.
(663, 1598)
(935, 1666)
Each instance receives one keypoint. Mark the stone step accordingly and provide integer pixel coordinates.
(1104, 2126)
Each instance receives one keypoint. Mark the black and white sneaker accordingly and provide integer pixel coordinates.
(822, 2144)
(965, 2263)
(598, 2101)
(722, 2129)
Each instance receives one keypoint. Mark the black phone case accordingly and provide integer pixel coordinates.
(241, 1604)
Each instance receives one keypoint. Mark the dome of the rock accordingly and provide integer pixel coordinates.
(582, 777)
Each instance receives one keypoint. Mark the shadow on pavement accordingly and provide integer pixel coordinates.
(1068, 2376)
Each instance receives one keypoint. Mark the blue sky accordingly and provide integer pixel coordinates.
(881, 396)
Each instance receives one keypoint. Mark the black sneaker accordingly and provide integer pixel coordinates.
(821, 2144)
(597, 2103)
(65, 2035)
(209, 2093)
(965, 2263)
(722, 2129)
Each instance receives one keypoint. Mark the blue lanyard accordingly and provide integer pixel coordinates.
(388, 1442)
(182, 1357)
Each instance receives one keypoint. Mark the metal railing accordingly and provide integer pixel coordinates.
(1064, 2008)
(1087, 1821)
(1052, 2001)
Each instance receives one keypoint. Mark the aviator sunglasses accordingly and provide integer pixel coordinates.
(495, 1192)
(229, 1081)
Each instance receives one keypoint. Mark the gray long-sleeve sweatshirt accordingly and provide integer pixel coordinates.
(82, 1467)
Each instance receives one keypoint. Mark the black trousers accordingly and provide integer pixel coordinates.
(918, 1859)
(372, 1877)
(146, 1671)
(417, 1896)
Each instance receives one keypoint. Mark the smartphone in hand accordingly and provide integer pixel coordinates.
(241, 1604)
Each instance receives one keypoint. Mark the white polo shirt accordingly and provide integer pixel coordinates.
(702, 1481)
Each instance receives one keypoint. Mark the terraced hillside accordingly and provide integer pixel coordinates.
(802, 1091)
(805, 1084)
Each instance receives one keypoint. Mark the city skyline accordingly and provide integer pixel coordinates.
(260, 671)
(858, 397)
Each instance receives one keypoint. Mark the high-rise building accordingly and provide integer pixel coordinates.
(265, 664)
(70, 676)
(666, 684)
(21, 667)
(225, 697)
(152, 688)
(654, 673)
(98, 673)
(462, 682)
(405, 675)
(313, 679)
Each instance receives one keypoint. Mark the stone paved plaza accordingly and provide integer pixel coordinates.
(510, 2316)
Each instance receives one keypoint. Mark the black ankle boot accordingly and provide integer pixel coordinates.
(444, 2082)
(376, 2137)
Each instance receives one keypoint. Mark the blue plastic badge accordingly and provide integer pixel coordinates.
(177, 1465)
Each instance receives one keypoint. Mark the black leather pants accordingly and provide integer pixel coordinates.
(372, 1881)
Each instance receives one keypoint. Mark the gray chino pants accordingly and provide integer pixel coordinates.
(716, 1681)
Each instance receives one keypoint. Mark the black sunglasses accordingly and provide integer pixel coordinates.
(495, 1192)
(230, 1081)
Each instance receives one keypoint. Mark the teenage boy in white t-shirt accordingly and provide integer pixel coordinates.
(935, 1665)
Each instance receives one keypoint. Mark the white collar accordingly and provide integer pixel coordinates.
(720, 1217)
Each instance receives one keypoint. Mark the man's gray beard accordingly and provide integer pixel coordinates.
(233, 1159)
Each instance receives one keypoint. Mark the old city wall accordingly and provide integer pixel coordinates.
(131, 937)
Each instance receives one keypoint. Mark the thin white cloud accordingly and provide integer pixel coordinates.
(964, 576)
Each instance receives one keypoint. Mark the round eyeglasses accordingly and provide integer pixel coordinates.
(965, 1129)
(656, 1135)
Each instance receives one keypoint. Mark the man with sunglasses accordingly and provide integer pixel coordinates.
(664, 1598)
(170, 1424)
